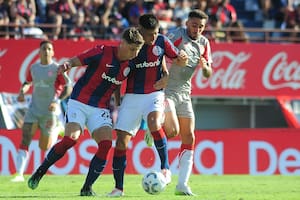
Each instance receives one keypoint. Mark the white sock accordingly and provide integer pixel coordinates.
(22, 159)
(185, 166)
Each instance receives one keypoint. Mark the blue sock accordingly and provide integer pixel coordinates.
(119, 165)
(96, 167)
(161, 147)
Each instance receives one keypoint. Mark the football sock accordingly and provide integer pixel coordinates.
(57, 152)
(119, 165)
(22, 159)
(185, 165)
(160, 142)
(98, 163)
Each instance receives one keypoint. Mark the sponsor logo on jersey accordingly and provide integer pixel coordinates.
(108, 65)
(148, 64)
(110, 79)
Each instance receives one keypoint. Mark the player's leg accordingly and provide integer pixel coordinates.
(100, 125)
(160, 142)
(154, 103)
(28, 130)
(128, 122)
(187, 126)
(74, 127)
(171, 124)
(119, 162)
(49, 132)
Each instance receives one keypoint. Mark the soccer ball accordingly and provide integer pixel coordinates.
(154, 182)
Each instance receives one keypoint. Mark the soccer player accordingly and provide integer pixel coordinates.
(179, 114)
(107, 67)
(144, 98)
(47, 88)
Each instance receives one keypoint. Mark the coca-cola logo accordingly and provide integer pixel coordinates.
(33, 57)
(278, 73)
(227, 74)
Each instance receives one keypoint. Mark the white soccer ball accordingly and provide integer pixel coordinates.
(154, 182)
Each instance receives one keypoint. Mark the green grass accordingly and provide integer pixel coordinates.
(227, 187)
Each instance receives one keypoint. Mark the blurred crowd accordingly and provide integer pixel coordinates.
(106, 19)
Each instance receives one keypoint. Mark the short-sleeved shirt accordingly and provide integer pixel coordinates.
(180, 77)
(47, 86)
(147, 66)
(104, 73)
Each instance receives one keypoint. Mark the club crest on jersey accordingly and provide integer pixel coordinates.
(157, 50)
(126, 71)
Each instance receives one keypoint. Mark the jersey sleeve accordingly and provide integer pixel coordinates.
(90, 55)
(175, 36)
(207, 52)
(170, 49)
(28, 77)
(61, 81)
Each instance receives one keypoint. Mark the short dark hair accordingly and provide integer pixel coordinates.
(148, 21)
(132, 36)
(198, 14)
(45, 42)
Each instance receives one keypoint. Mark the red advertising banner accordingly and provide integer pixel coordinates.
(247, 70)
(244, 151)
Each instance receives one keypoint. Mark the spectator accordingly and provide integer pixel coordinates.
(23, 15)
(4, 20)
(163, 13)
(293, 22)
(182, 9)
(136, 10)
(236, 32)
(61, 13)
(224, 12)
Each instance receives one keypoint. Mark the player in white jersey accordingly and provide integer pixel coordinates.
(46, 95)
(179, 114)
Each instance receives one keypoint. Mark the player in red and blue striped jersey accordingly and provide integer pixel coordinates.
(107, 67)
(144, 98)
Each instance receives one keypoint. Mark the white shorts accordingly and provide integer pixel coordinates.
(86, 115)
(136, 107)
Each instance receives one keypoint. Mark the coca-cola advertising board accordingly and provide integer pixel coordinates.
(248, 70)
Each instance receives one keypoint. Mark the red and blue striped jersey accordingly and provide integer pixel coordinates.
(147, 67)
(104, 73)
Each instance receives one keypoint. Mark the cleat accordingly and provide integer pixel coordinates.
(148, 138)
(18, 178)
(87, 192)
(168, 175)
(184, 190)
(116, 193)
(33, 181)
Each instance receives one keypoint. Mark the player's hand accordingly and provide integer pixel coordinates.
(161, 83)
(182, 59)
(63, 68)
(21, 97)
(52, 107)
(206, 68)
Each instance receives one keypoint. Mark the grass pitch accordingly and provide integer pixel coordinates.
(227, 187)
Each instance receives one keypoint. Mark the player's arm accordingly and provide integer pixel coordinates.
(162, 83)
(206, 67)
(66, 66)
(24, 88)
(117, 94)
(182, 59)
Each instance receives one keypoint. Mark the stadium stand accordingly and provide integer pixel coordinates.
(262, 20)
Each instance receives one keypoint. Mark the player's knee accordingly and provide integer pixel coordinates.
(26, 139)
(172, 133)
